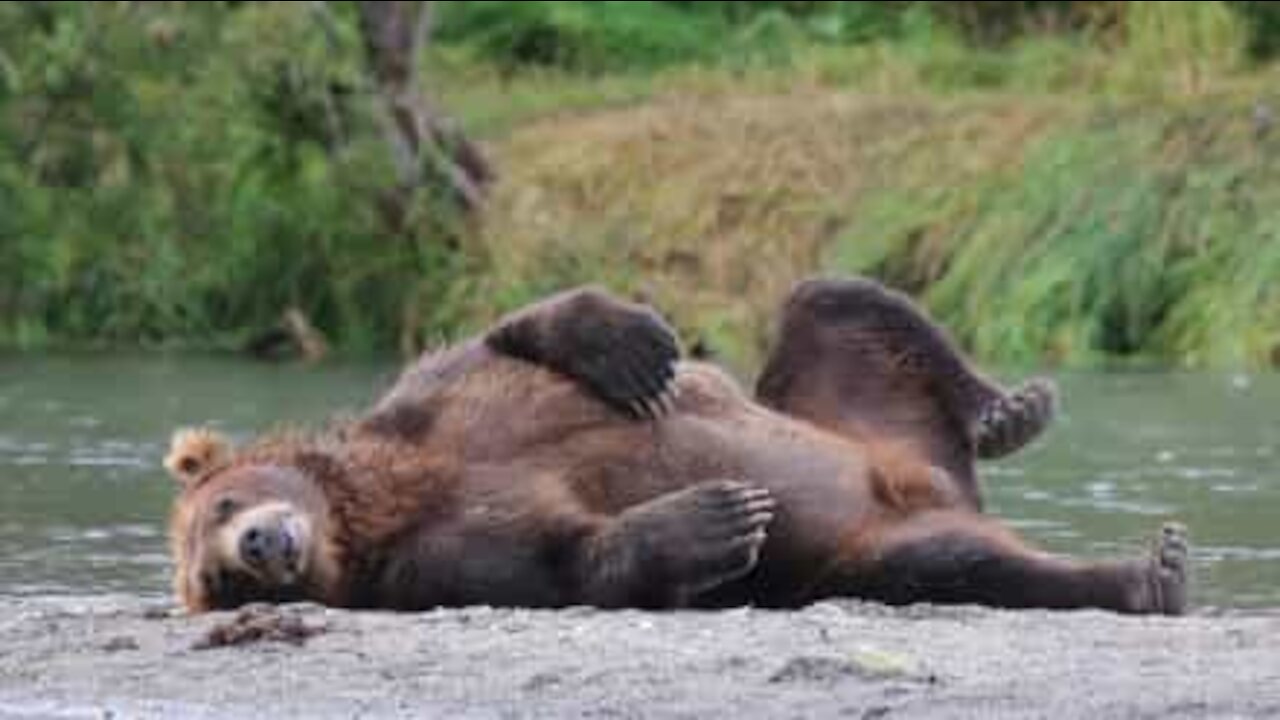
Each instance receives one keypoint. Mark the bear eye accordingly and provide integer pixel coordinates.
(225, 508)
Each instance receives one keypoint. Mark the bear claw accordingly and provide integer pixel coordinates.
(705, 535)
(733, 517)
(635, 370)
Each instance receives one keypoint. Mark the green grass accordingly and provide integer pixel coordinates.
(1138, 232)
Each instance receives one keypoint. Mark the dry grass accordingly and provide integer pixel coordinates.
(1071, 229)
(713, 205)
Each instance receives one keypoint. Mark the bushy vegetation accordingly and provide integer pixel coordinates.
(1059, 181)
(182, 172)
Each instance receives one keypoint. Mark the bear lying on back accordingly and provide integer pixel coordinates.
(566, 458)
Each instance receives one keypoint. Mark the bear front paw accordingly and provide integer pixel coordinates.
(626, 356)
(705, 535)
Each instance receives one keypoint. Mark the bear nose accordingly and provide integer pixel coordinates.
(259, 545)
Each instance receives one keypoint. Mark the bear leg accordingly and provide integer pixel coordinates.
(961, 558)
(857, 358)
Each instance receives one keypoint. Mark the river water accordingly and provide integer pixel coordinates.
(83, 500)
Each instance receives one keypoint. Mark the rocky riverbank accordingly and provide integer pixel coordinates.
(121, 658)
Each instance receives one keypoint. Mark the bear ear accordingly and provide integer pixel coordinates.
(194, 452)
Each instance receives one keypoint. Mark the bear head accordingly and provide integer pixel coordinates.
(250, 527)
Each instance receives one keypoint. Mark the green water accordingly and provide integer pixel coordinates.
(83, 500)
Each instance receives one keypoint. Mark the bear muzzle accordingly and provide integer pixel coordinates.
(264, 547)
(271, 543)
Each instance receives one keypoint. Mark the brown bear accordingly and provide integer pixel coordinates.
(567, 457)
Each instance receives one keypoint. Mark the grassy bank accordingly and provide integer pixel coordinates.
(1040, 228)
(1081, 187)
(1051, 203)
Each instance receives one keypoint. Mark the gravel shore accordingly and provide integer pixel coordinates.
(123, 658)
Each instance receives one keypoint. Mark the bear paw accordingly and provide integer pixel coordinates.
(627, 360)
(1157, 584)
(703, 536)
(1168, 569)
(1010, 422)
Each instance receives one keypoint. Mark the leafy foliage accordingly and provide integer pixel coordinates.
(188, 170)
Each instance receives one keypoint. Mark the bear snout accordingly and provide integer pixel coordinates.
(270, 542)
(266, 545)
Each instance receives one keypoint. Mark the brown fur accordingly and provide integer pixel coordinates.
(483, 477)
(194, 452)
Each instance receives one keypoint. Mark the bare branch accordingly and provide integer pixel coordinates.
(395, 33)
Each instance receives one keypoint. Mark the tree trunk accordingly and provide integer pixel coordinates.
(421, 139)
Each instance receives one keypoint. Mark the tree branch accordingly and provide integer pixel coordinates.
(395, 34)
